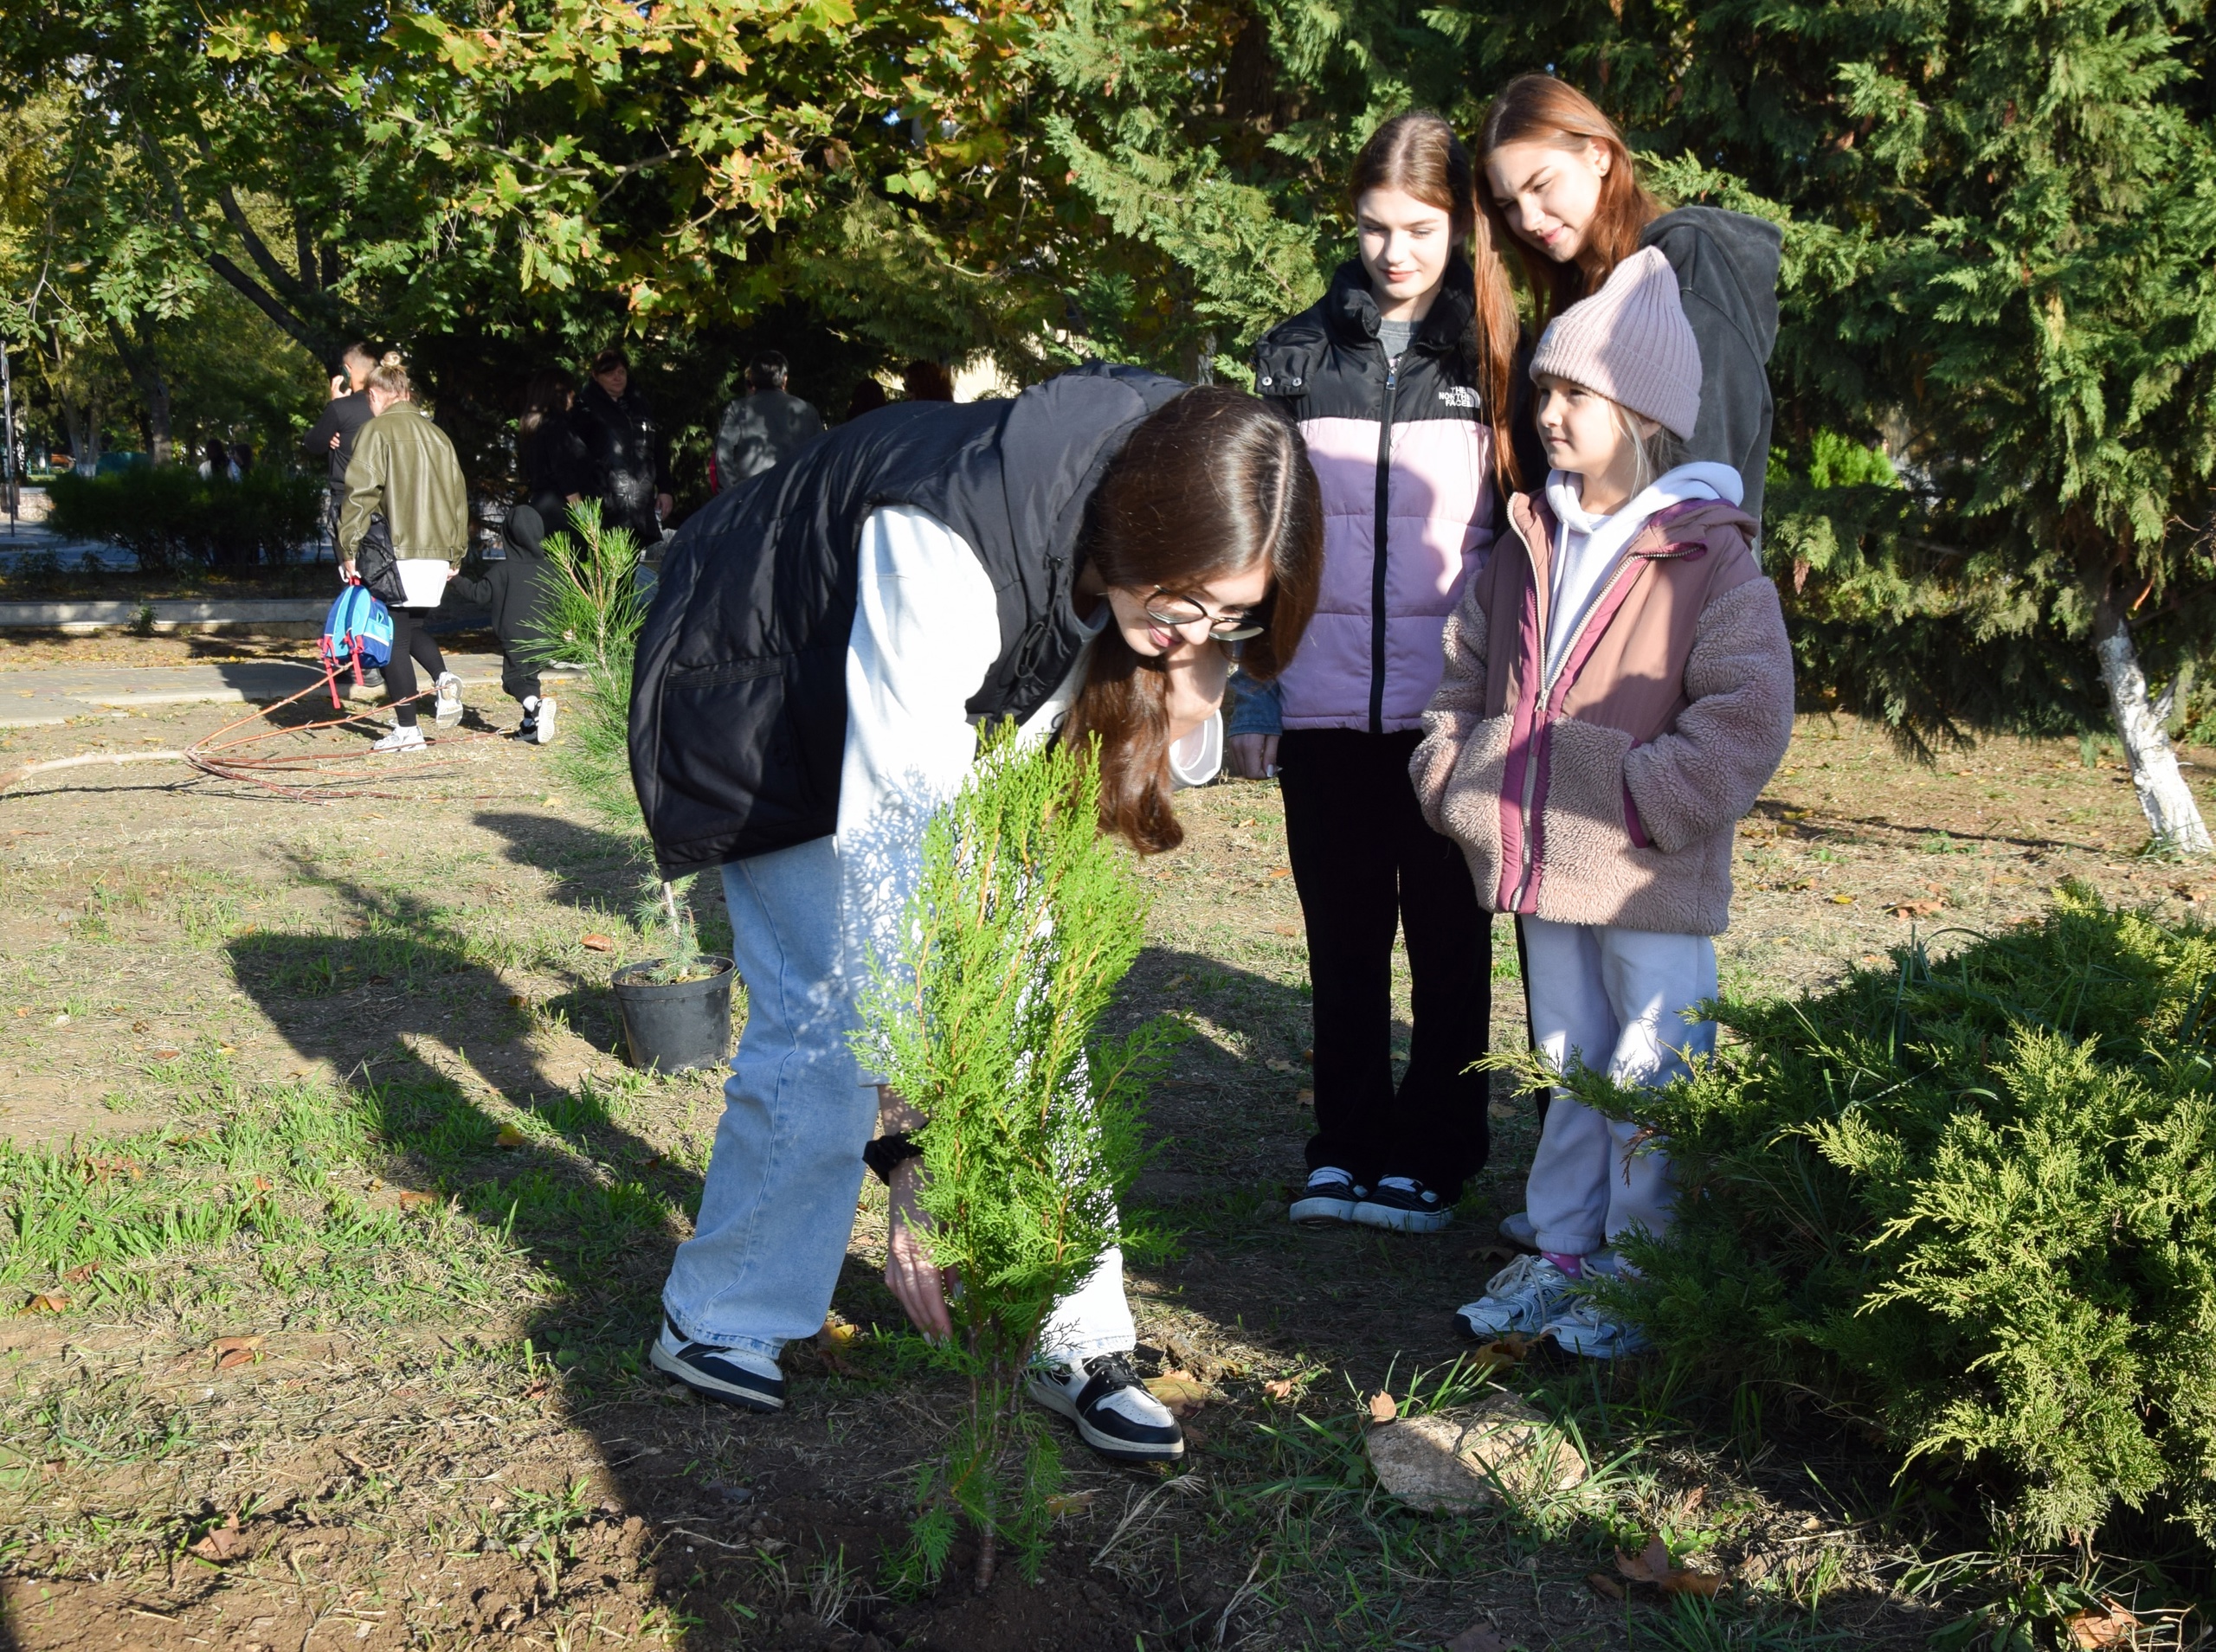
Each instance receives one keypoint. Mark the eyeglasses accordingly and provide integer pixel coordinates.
(1178, 612)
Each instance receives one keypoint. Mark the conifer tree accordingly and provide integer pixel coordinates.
(1024, 921)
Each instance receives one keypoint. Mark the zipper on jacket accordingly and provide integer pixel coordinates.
(1547, 681)
(1377, 554)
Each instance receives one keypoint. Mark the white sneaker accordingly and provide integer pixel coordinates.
(449, 700)
(1587, 1327)
(1524, 1296)
(1516, 1228)
(543, 723)
(1114, 1413)
(408, 739)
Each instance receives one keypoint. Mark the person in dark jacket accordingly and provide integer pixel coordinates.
(1399, 380)
(332, 437)
(1074, 561)
(765, 427)
(626, 447)
(869, 395)
(927, 381)
(518, 589)
(550, 457)
(1559, 179)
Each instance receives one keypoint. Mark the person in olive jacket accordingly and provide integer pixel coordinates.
(626, 449)
(404, 485)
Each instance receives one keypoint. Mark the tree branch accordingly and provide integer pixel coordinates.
(281, 280)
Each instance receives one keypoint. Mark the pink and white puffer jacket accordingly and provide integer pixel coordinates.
(1404, 454)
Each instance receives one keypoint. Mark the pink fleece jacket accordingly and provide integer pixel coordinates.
(1608, 796)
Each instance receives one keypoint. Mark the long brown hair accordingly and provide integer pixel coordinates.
(1209, 485)
(1418, 154)
(1539, 109)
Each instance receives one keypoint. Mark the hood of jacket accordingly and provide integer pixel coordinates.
(1749, 249)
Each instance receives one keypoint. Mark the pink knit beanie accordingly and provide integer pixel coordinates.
(1631, 342)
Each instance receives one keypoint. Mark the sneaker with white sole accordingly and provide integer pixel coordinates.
(1516, 1228)
(410, 738)
(1584, 1327)
(449, 700)
(1114, 1413)
(750, 1381)
(543, 723)
(1526, 1295)
(1403, 1205)
(1330, 1197)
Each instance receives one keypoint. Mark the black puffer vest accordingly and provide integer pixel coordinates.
(739, 702)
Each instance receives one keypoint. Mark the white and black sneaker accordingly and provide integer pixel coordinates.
(527, 730)
(750, 1381)
(407, 737)
(1330, 1197)
(1114, 1413)
(542, 721)
(1405, 1206)
(448, 700)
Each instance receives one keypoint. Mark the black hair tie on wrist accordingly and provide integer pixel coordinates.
(885, 1154)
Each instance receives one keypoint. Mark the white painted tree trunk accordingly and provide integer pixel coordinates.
(2171, 815)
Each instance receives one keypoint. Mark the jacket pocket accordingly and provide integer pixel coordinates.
(1469, 806)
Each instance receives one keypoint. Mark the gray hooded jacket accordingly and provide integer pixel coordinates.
(1727, 279)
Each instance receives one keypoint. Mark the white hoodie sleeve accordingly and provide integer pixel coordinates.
(926, 630)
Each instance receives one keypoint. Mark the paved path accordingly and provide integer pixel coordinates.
(57, 693)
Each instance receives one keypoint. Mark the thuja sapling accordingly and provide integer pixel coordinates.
(1024, 919)
(592, 617)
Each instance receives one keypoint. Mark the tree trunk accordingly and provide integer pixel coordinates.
(2171, 815)
(140, 361)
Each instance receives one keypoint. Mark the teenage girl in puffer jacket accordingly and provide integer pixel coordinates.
(1618, 691)
(1400, 379)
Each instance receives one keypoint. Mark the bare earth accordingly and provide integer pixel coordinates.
(445, 1434)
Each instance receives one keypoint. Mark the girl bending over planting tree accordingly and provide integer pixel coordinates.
(825, 641)
(1618, 690)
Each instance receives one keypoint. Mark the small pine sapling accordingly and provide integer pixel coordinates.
(591, 618)
(1024, 921)
(668, 907)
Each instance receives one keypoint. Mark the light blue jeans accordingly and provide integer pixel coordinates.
(786, 1170)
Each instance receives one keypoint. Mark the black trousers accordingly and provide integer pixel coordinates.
(1365, 864)
(410, 642)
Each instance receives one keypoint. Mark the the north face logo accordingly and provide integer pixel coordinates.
(1459, 395)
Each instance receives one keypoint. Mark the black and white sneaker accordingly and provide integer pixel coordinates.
(750, 1381)
(1405, 1206)
(527, 730)
(1114, 1413)
(1330, 1197)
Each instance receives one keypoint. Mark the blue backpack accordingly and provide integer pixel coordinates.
(358, 632)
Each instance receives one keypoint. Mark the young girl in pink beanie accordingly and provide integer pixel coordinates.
(1618, 691)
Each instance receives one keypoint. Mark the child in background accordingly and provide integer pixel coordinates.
(515, 589)
(1619, 689)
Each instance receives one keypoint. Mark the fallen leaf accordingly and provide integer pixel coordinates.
(167, 1055)
(1278, 1388)
(78, 1275)
(1181, 1390)
(227, 1049)
(137, 1026)
(509, 1137)
(226, 1542)
(1384, 1408)
(1478, 1637)
(2111, 1626)
(412, 1200)
(1068, 1502)
(1842, 900)
(1284, 929)
(597, 943)
(1306, 1097)
(836, 1333)
(1601, 1584)
(1653, 1564)
(1916, 909)
(231, 1351)
(1279, 1066)
(47, 1301)
(1281, 871)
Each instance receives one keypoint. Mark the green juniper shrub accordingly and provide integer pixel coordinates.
(171, 520)
(1973, 1199)
(1024, 919)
